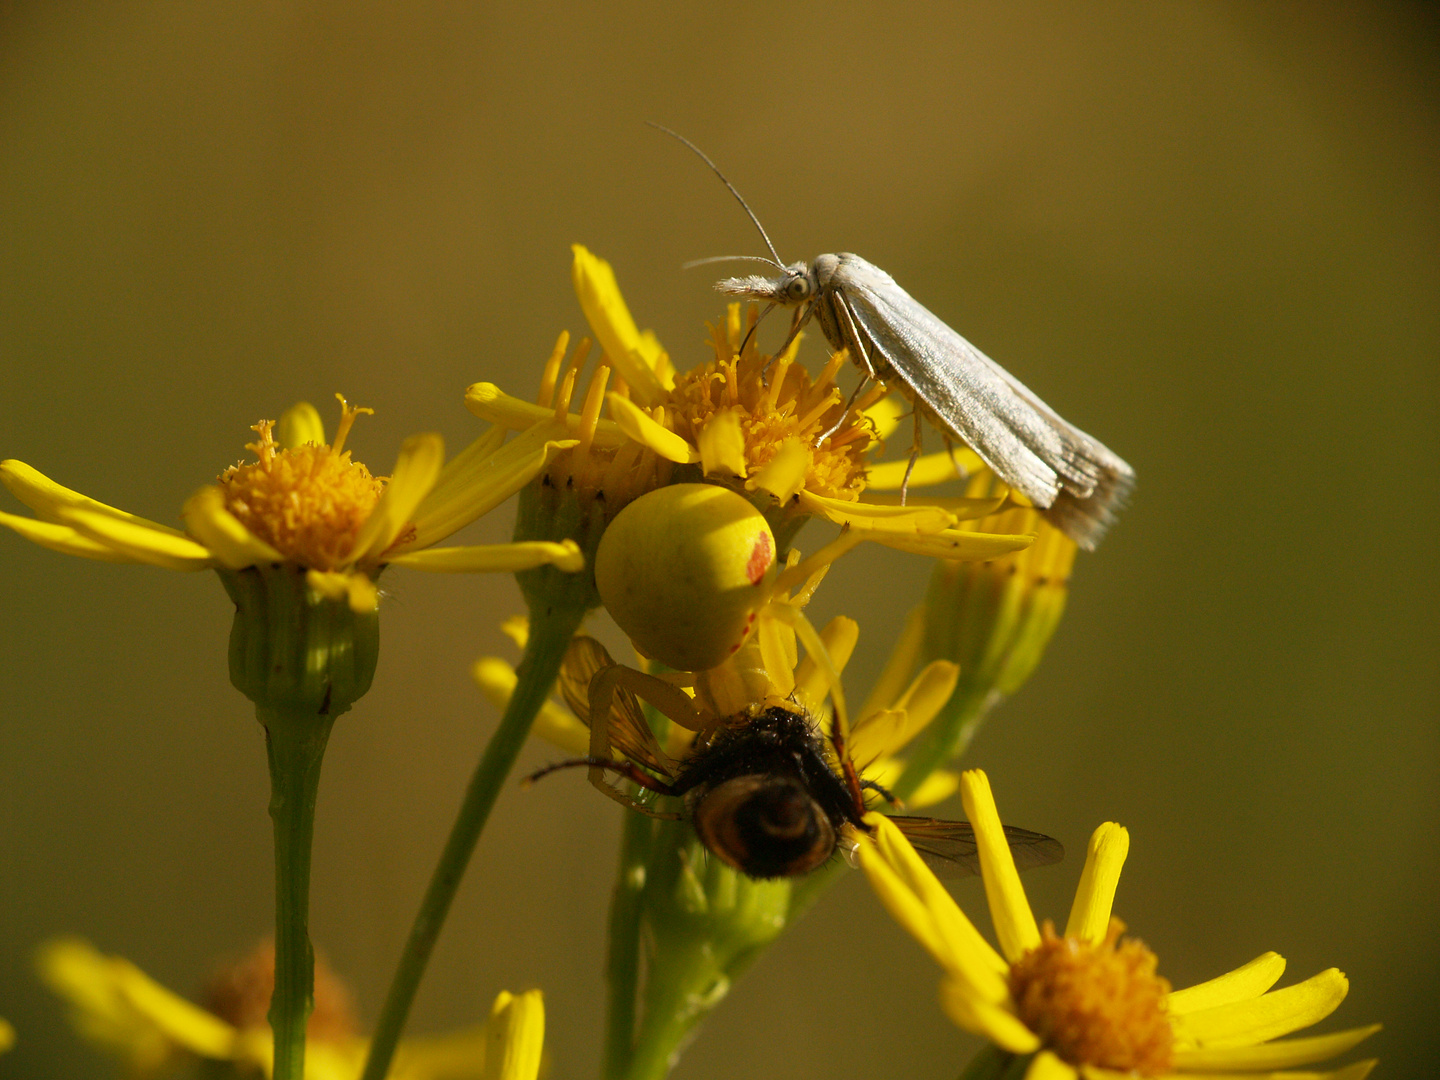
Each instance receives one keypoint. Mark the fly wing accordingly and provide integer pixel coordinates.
(1054, 464)
(949, 846)
(629, 732)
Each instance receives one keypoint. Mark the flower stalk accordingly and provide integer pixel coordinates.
(303, 659)
(550, 631)
(558, 601)
(295, 742)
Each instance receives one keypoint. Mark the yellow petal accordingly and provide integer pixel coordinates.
(517, 629)
(361, 594)
(840, 635)
(929, 469)
(722, 445)
(232, 544)
(994, 1022)
(7, 1035)
(137, 542)
(885, 414)
(649, 432)
(783, 476)
(331, 584)
(864, 515)
(1274, 1055)
(116, 1003)
(1046, 1066)
(1242, 984)
(935, 788)
(959, 508)
(1269, 1016)
(871, 738)
(955, 544)
(489, 402)
(920, 903)
(451, 488)
(354, 587)
(925, 697)
(515, 1036)
(1357, 1071)
(453, 1055)
(496, 558)
(62, 538)
(416, 470)
(1095, 896)
(904, 656)
(1010, 911)
(486, 482)
(497, 679)
(48, 499)
(613, 326)
(300, 425)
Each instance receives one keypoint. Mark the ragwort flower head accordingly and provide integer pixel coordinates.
(757, 424)
(151, 1031)
(1089, 1003)
(305, 503)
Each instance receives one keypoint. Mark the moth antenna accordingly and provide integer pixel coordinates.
(716, 170)
(729, 258)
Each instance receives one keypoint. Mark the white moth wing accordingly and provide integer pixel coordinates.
(1033, 449)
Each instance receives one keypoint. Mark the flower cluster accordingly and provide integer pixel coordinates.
(673, 497)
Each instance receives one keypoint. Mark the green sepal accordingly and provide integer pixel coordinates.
(545, 512)
(294, 650)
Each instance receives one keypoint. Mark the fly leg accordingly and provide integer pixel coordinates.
(627, 769)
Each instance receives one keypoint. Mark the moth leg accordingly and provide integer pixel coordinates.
(864, 382)
(961, 472)
(853, 340)
(802, 316)
(753, 327)
(915, 449)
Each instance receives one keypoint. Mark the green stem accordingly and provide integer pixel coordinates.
(550, 631)
(296, 745)
(680, 991)
(622, 965)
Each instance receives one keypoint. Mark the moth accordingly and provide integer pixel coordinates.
(894, 339)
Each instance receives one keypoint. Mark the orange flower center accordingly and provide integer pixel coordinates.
(308, 502)
(240, 995)
(775, 400)
(1098, 1004)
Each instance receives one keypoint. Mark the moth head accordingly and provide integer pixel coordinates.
(795, 285)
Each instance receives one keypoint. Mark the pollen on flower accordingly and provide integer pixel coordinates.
(776, 404)
(308, 502)
(240, 995)
(1096, 1004)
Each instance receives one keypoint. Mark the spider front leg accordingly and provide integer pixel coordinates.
(615, 716)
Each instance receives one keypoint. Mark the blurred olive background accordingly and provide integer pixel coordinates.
(1205, 232)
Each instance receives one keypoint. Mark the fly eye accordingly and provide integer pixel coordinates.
(765, 826)
(797, 288)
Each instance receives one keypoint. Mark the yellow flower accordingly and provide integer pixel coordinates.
(305, 503)
(7, 1035)
(756, 423)
(1088, 1004)
(152, 1031)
